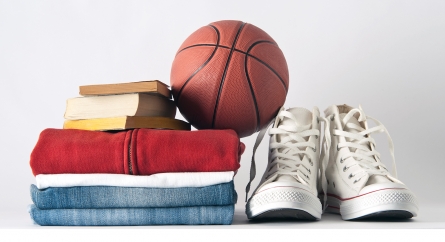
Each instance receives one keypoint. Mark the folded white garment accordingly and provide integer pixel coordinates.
(160, 180)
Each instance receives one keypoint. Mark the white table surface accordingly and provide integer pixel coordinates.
(430, 217)
(16, 225)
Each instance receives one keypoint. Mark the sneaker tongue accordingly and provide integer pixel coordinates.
(373, 179)
(354, 131)
(303, 117)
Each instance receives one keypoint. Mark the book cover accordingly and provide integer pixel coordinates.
(153, 86)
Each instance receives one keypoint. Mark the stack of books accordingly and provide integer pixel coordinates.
(133, 105)
(122, 159)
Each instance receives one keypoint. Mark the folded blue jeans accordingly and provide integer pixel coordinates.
(132, 197)
(133, 216)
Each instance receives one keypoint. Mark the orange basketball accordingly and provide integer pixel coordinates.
(229, 75)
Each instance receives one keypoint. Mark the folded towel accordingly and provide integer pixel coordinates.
(133, 216)
(135, 152)
(161, 180)
(132, 197)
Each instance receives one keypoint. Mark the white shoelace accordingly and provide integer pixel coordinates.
(324, 158)
(287, 155)
(368, 158)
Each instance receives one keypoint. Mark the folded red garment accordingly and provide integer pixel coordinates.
(137, 152)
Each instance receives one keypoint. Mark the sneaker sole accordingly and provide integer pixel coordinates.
(382, 204)
(284, 203)
(285, 214)
(387, 215)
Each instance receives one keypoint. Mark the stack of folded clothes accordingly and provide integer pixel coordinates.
(134, 177)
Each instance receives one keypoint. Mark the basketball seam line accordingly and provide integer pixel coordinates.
(270, 68)
(225, 72)
(197, 45)
(221, 46)
(203, 65)
(251, 87)
(237, 50)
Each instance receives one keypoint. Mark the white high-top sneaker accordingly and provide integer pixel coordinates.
(288, 188)
(358, 183)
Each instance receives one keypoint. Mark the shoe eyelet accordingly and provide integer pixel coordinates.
(350, 176)
(316, 136)
(341, 160)
(318, 120)
(309, 171)
(338, 149)
(311, 163)
(357, 180)
(314, 149)
(345, 168)
(332, 119)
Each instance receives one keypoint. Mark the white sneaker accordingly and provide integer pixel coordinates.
(358, 183)
(288, 188)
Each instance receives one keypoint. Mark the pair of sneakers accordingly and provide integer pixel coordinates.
(342, 175)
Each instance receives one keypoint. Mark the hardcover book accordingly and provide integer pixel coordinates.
(154, 86)
(133, 104)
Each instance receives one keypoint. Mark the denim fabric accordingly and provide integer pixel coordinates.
(133, 216)
(132, 197)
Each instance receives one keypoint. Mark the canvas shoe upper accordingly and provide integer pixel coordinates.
(288, 187)
(358, 184)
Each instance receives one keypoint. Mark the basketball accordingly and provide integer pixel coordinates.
(229, 75)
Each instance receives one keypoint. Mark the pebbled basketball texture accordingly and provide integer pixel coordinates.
(229, 75)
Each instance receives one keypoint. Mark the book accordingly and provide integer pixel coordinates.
(127, 122)
(153, 86)
(133, 104)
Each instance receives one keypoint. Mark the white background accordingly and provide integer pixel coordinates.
(388, 56)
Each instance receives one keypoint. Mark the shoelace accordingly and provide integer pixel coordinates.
(286, 153)
(324, 159)
(369, 158)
